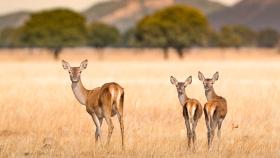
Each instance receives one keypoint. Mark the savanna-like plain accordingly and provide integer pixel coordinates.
(40, 116)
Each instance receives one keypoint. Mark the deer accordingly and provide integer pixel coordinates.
(215, 109)
(101, 103)
(192, 109)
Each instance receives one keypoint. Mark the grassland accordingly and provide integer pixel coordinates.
(40, 117)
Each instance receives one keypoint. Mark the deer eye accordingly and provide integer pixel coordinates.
(69, 72)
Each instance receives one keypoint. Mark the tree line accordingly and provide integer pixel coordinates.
(178, 27)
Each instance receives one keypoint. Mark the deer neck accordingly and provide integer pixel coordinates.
(210, 94)
(80, 92)
(182, 98)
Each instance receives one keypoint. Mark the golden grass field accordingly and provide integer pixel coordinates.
(40, 117)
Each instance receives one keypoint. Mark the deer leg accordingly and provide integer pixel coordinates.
(194, 135)
(219, 132)
(189, 132)
(100, 122)
(207, 121)
(110, 129)
(120, 117)
(98, 127)
(213, 125)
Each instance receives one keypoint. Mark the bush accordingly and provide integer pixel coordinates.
(268, 38)
(102, 35)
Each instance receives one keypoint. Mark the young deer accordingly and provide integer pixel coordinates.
(101, 102)
(192, 109)
(215, 109)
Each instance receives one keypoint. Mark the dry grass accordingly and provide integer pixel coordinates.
(40, 117)
(77, 54)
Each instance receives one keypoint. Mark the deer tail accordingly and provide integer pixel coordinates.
(191, 113)
(210, 113)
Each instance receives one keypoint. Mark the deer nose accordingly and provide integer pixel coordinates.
(75, 79)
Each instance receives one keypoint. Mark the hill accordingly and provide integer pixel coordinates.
(207, 7)
(125, 13)
(14, 19)
(120, 13)
(257, 14)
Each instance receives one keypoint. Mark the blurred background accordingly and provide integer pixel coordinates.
(138, 44)
(175, 26)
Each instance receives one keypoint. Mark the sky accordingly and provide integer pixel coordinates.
(227, 2)
(8, 6)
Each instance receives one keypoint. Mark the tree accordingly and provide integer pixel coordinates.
(229, 38)
(102, 35)
(128, 38)
(247, 35)
(175, 27)
(268, 38)
(53, 29)
(214, 39)
(8, 37)
(236, 36)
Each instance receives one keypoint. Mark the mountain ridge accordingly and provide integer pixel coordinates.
(127, 12)
(257, 14)
(14, 19)
(121, 13)
(124, 14)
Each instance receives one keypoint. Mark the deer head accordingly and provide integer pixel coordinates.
(75, 72)
(181, 85)
(208, 82)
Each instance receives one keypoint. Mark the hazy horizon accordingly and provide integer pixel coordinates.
(29, 5)
(77, 5)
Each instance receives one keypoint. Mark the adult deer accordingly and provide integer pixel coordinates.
(215, 109)
(192, 109)
(102, 102)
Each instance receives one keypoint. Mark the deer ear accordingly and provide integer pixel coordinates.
(188, 81)
(201, 76)
(173, 80)
(65, 65)
(83, 64)
(215, 76)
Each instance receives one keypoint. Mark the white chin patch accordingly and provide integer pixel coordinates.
(75, 80)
